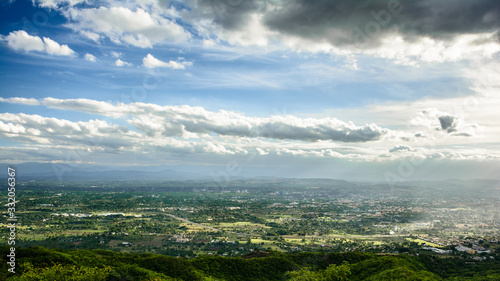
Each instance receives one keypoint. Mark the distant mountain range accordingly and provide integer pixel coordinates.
(86, 172)
(57, 171)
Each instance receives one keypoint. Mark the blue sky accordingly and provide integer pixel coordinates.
(283, 88)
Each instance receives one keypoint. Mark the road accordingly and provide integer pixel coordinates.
(347, 236)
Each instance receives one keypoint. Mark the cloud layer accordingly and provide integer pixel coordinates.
(150, 133)
(154, 120)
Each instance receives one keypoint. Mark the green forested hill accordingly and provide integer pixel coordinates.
(37, 263)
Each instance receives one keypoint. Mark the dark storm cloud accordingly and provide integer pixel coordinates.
(447, 123)
(400, 148)
(453, 124)
(229, 14)
(340, 22)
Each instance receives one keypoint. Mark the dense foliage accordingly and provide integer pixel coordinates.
(37, 263)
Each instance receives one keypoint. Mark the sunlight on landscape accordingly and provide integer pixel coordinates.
(196, 140)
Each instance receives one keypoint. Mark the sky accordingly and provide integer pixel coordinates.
(381, 90)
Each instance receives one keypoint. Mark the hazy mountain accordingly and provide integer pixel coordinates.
(56, 171)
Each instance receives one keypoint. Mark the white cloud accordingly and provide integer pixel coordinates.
(116, 54)
(22, 41)
(100, 136)
(124, 26)
(401, 50)
(91, 35)
(52, 4)
(90, 57)
(208, 43)
(426, 49)
(38, 129)
(53, 48)
(26, 101)
(151, 62)
(121, 63)
(83, 105)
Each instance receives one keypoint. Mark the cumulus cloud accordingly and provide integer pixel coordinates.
(150, 61)
(90, 57)
(124, 26)
(445, 122)
(21, 41)
(53, 48)
(121, 63)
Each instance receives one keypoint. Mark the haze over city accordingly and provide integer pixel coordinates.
(246, 140)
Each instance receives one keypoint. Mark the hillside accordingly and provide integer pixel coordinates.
(37, 263)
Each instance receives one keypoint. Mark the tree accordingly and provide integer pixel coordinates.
(60, 272)
(338, 273)
(331, 273)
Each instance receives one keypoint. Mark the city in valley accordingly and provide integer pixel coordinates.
(193, 218)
